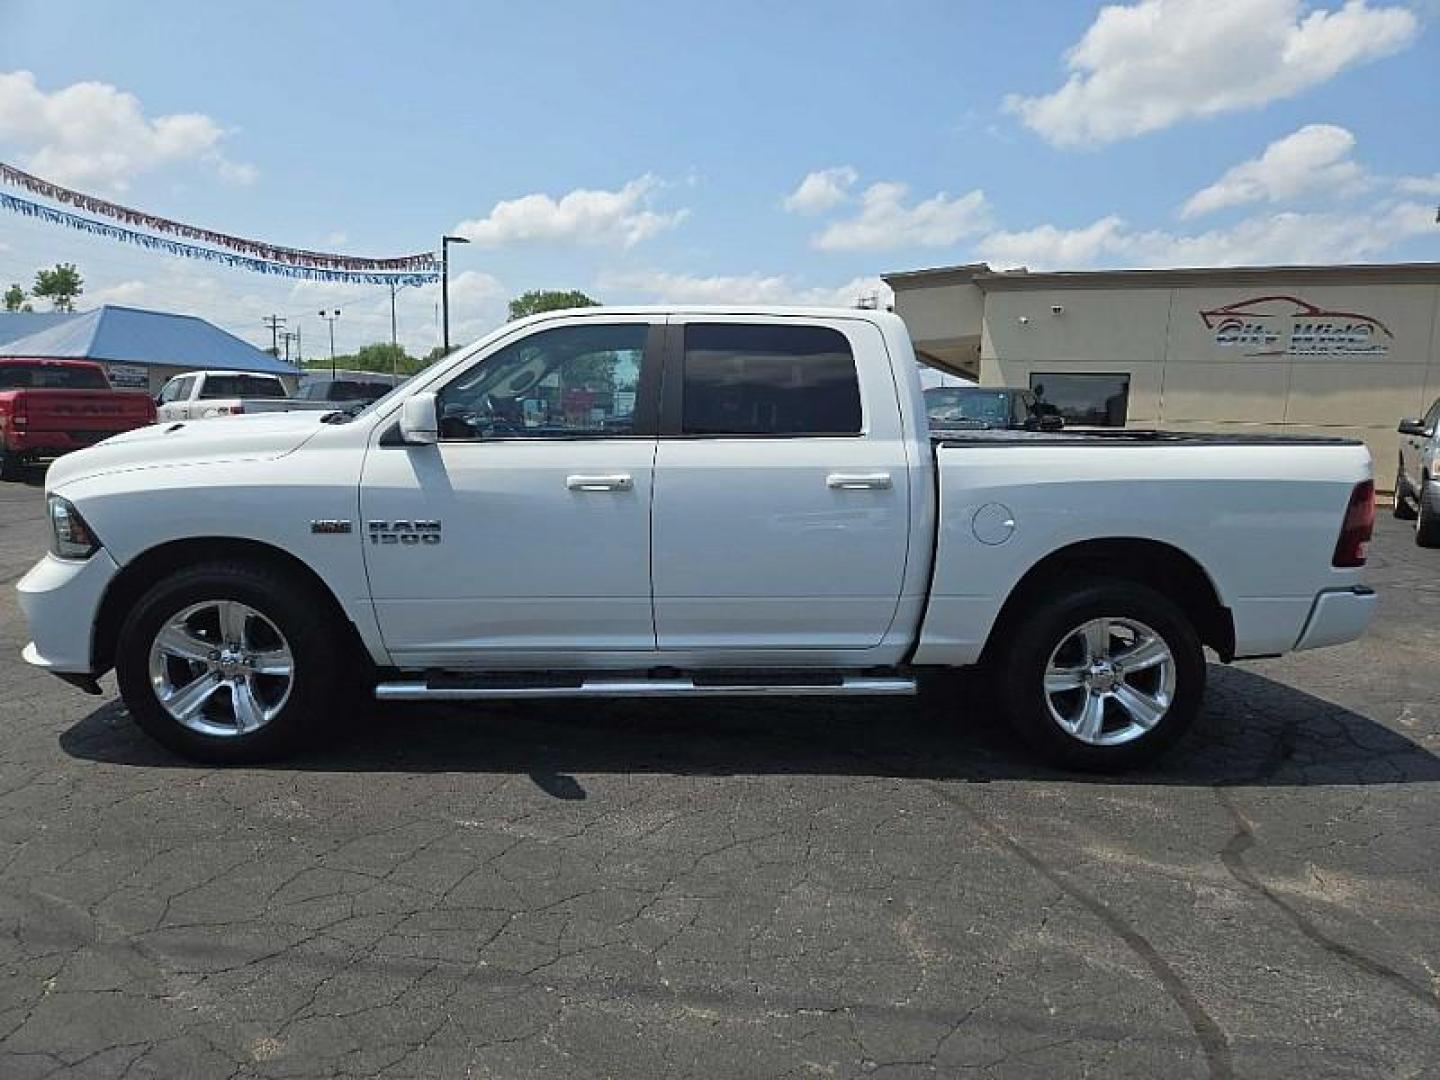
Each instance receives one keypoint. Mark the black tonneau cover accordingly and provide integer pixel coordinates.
(1128, 437)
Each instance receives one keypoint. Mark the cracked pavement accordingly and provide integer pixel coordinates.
(832, 889)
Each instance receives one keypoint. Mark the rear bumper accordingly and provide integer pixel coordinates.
(61, 599)
(1338, 616)
(54, 443)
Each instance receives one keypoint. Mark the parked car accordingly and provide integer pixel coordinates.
(50, 407)
(968, 408)
(347, 389)
(201, 395)
(1417, 479)
(699, 502)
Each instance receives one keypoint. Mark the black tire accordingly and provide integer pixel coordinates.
(1404, 506)
(1034, 636)
(317, 691)
(11, 467)
(1427, 517)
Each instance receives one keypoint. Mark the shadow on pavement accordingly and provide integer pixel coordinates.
(1253, 732)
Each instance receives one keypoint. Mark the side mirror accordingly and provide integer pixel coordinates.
(418, 423)
(1412, 426)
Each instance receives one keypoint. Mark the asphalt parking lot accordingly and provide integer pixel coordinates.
(711, 890)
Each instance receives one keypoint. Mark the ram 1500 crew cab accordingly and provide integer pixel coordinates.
(684, 502)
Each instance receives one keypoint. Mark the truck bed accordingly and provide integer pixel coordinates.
(1129, 437)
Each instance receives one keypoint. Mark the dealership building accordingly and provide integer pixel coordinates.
(1330, 350)
(140, 349)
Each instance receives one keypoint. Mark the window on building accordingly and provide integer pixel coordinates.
(564, 383)
(1084, 398)
(769, 380)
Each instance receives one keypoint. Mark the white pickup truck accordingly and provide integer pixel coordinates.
(202, 395)
(684, 502)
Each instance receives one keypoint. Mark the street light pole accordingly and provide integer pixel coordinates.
(445, 242)
(330, 317)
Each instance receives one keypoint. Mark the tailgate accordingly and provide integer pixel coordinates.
(86, 411)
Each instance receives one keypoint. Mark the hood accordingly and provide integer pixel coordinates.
(189, 442)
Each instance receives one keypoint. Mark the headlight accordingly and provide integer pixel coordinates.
(71, 537)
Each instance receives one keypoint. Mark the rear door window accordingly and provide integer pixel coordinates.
(51, 377)
(768, 379)
(241, 386)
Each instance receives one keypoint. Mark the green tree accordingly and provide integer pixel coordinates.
(15, 299)
(538, 300)
(380, 357)
(437, 353)
(60, 286)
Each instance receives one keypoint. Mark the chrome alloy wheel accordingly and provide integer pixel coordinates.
(220, 667)
(1109, 681)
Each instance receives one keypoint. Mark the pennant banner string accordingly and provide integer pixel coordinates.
(424, 262)
(26, 208)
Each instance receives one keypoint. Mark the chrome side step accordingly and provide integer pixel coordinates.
(598, 686)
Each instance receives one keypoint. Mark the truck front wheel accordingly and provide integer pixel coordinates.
(230, 662)
(1103, 676)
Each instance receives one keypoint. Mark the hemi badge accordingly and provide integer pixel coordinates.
(330, 526)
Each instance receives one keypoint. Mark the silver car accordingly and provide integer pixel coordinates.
(1417, 483)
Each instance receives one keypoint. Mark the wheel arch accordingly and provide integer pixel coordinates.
(1153, 563)
(150, 566)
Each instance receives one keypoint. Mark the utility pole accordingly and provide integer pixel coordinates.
(288, 336)
(330, 317)
(274, 323)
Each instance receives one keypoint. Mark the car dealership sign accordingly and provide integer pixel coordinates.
(1289, 326)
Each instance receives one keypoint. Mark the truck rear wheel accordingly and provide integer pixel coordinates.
(1103, 677)
(230, 662)
(11, 467)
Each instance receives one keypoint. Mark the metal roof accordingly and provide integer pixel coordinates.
(15, 325)
(136, 336)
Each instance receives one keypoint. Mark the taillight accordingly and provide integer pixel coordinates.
(1358, 527)
(236, 410)
(20, 419)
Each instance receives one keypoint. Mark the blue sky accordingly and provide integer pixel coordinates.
(648, 152)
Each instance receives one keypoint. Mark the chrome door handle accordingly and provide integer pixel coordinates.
(879, 481)
(615, 482)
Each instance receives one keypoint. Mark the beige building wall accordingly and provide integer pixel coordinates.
(1201, 358)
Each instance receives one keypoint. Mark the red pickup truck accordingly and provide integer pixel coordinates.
(48, 407)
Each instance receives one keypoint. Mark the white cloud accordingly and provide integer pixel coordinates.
(1315, 158)
(822, 190)
(132, 293)
(1048, 246)
(1267, 239)
(1419, 185)
(1146, 66)
(885, 222)
(670, 288)
(583, 217)
(91, 134)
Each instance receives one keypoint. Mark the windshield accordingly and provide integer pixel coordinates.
(51, 377)
(966, 405)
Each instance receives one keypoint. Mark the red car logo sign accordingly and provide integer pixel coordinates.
(1287, 325)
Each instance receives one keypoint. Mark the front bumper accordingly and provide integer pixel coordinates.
(61, 600)
(1338, 616)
